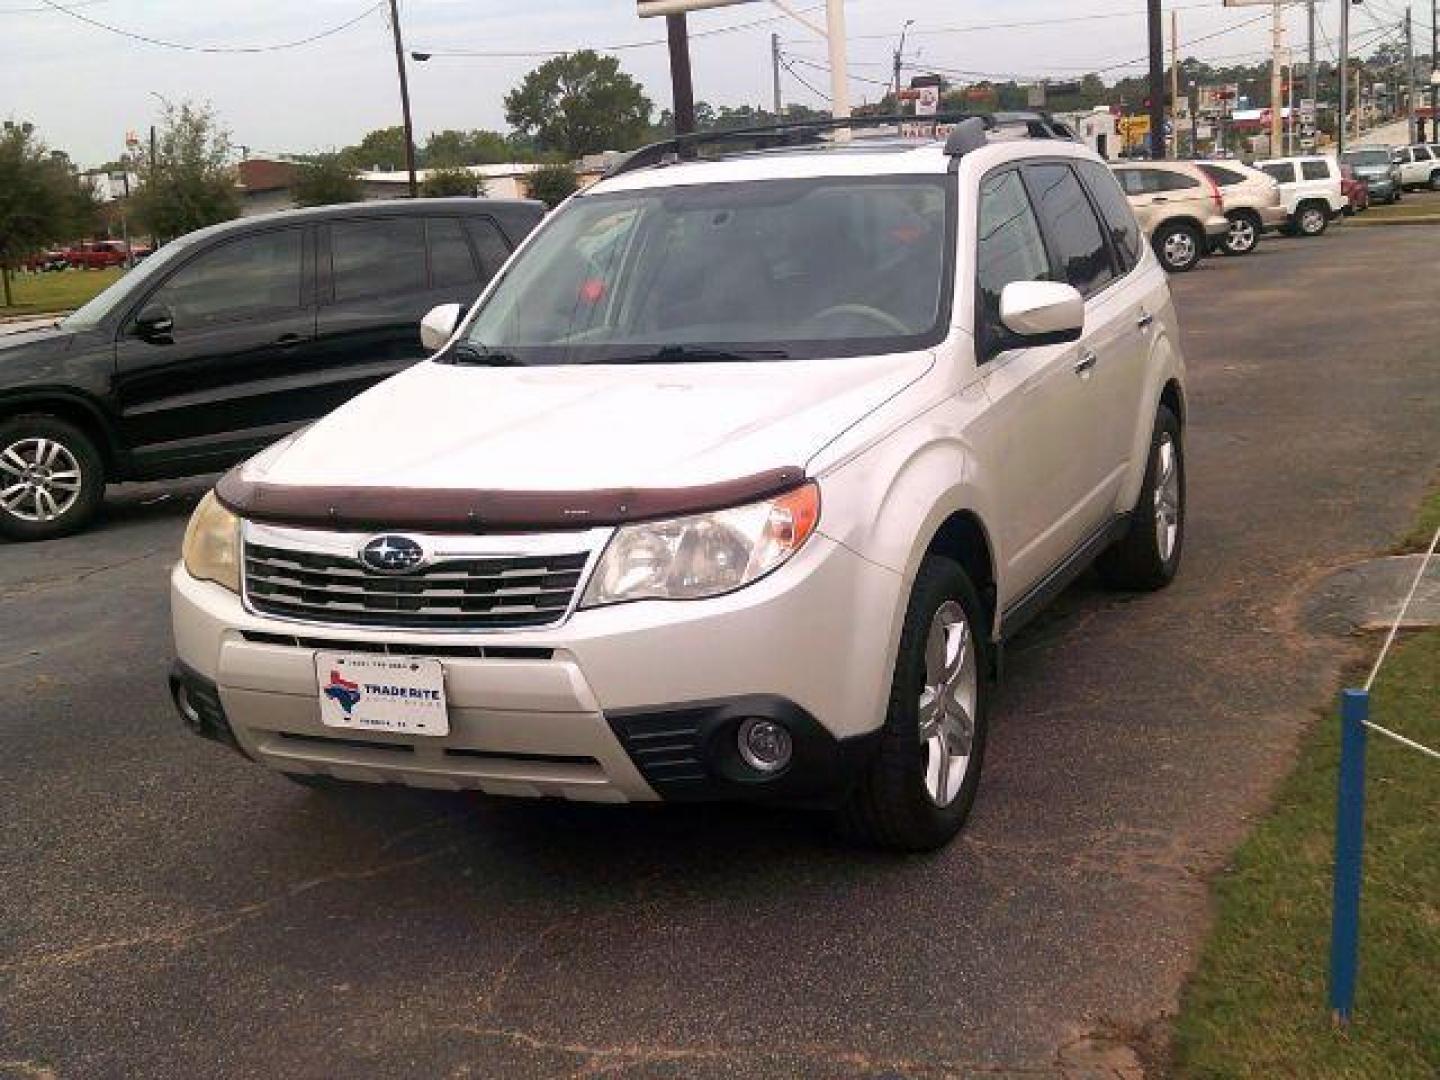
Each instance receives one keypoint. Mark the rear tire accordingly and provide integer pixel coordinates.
(1312, 219)
(1147, 557)
(52, 479)
(1244, 235)
(921, 784)
(1179, 246)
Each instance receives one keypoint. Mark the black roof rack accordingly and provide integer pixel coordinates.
(971, 130)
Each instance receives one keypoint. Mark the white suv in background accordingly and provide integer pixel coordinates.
(1311, 190)
(733, 485)
(1419, 166)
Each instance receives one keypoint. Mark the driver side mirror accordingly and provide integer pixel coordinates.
(438, 325)
(156, 324)
(1042, 312)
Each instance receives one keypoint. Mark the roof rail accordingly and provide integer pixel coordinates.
(1037, 125)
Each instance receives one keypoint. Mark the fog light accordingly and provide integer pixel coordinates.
(765, 745)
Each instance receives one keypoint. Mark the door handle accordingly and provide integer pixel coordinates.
(1086, 364)
(1158, 199)
(1145, 321)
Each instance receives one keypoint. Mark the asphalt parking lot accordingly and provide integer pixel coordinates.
(170, 910)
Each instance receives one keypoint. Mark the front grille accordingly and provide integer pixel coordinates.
(466, 593)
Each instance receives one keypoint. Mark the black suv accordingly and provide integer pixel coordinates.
(228, 338)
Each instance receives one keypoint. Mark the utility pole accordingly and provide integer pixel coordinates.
(1157, 80)
(1410, 73)
(1175, 77)
(1435, 71)
(775, 65)
(1343, 114)
(680, 77)
(1312, 83)
(1277, 86)
(840, 62)
(404, 99)
(900, 59)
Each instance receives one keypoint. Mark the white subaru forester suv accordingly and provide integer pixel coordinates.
(732, 485)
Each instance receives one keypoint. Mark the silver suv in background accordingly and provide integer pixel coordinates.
(1376, 167)
(1252, 204)
(1180, 208)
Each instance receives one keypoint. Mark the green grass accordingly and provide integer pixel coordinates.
(1418, 539)
(1256, 1006)
(1418, 204)
(64, 290)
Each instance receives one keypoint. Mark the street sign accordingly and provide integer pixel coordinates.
(927, 101)
(651, 8)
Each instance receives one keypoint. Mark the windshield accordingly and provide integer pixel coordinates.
(1371, 158)
(778, 269)
(94, 312)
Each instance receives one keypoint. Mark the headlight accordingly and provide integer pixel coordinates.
(212, 544)
(706, 555)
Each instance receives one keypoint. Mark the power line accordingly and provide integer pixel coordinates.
(535, 54)
(47, 10)
(52, 5)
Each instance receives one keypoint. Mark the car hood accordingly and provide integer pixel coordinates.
(438, 426)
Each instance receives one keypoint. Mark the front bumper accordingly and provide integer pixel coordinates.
(631, 703)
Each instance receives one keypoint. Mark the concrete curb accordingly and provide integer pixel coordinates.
(4, 319)
(1381, 222)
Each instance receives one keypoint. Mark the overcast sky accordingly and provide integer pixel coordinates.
(84, 87)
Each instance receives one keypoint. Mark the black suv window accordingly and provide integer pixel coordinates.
(1078, 251)
(238, 279)
(1315, 170)
(1222, 176)
(491, 245)
(1117, 217)
(1010, 249)
(451, 262)
(377, 258)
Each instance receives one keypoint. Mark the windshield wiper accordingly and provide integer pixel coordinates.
(700, 354)
(474, 354)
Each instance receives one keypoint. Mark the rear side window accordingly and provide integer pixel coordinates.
(1115, 212)
(254, 276)
(490, 244)
(1010, 249)
(1315, 170)
(451, 262)
(377, 258)
(1283, 171)
(1164, 180)
(1222, 176)
(1422, 153)
(1078, 253)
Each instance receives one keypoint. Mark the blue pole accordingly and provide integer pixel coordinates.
(1349, 854)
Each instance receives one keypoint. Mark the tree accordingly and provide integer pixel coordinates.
(383, 148)
(325, 180)
(580, 103)
(448, 148)
(452, 181)
(553, 184)
(41, 199)
(189, 183)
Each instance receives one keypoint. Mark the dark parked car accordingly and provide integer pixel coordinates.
(226, 339)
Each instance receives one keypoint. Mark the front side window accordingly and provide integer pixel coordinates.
(380, 257)
(1315, 170)
(451, 263)
(239, 279)
(823, 267)
(1165, 180)
(1283, 171)
(1118, 218)
(1078, 251)
(1010, 249)
(1422, 153)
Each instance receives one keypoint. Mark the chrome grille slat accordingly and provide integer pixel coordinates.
(455, 592)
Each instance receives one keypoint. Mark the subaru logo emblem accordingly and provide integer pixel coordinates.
(392, 555)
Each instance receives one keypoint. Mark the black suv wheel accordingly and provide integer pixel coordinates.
(51, 478)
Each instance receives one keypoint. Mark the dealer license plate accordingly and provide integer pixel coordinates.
(398, 694)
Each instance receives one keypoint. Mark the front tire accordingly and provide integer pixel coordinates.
(1147, 557)
(921, 785)
(1244, 235)
(1312, 220)
(1179, 246)
(52, 479)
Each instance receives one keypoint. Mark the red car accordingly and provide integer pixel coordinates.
(96, 255)
(1355, 190)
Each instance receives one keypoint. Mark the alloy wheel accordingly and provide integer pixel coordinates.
(948, 702)
(39, 479)
(1242, 236)
(1167, 498)
(1179, 249)
(1312, 222)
